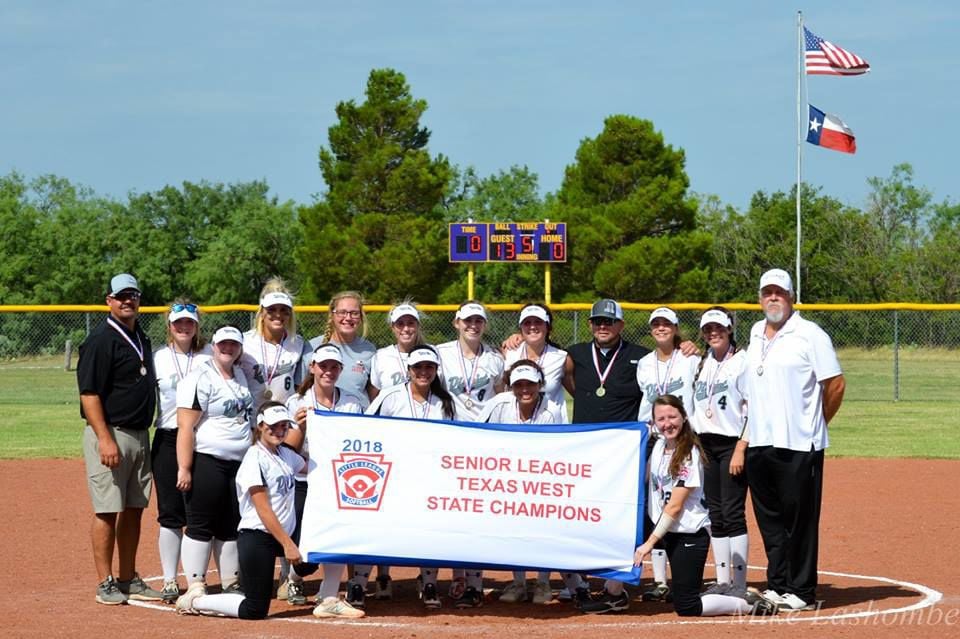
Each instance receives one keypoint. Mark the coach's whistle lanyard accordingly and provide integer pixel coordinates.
(662, 388)
(413, 403)
(474, 371)
(268, 374)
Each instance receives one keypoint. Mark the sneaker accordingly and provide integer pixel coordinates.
(355, 596)
(792, 602)
(659, 592)
(581, 598)
(295, 596)
(384, 587)
(170, 591)
(137, 590)
(236, 588)
(429, 596)
(109, 593)
(457, 587)
(185, 601)
(772, 595)
(542, 594)
(717, 588)
(514, 593)
(607, 603)
(565, 595)
(336, 607)
(282, 590)
(472, 598)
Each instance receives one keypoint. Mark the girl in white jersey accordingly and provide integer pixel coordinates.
(318, 392)
(665, 371)
(264, 488)
(184, 351)
(535, 324)
(527, 403)
(472, 371)
(423, 397)
(676, 503)
(389, 365)
(718, 420)
(213, 433)
(347, 328)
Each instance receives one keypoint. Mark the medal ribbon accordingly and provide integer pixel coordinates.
(268, 374)
(766, 345)
(403, 365)
(662, 388)
(318, 406)
(413, 403)
(596, 363)
(468, 386)
(176, 362)
(716, 375)
(113, 324)
(533, 416)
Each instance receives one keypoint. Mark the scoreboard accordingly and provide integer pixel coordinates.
(508, 242)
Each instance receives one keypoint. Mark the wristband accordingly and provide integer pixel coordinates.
(663, 526)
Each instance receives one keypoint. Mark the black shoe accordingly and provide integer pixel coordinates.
(581, 598)
(429, 596)
(472, 598)
(355, 596)
(607, 603)
(658, 592)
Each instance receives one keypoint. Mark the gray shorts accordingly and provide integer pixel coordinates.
(113, 490)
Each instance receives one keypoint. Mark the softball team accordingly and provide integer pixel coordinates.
(213, 434)
(718, 419)
(184, 351)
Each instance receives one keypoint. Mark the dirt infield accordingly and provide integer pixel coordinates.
(886, 544)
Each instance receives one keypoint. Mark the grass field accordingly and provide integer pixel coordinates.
(39, 409)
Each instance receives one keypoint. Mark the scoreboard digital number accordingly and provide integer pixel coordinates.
(508, 242)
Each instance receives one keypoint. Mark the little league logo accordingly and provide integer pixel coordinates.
(361, 480)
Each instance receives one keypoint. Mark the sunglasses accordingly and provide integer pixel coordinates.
(601, 321)
(190, 308)
(124, 296)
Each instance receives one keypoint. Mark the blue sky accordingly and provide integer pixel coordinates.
(124, 96)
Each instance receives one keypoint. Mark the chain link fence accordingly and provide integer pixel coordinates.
(886, 354)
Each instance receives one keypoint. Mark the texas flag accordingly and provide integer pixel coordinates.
(827, 130)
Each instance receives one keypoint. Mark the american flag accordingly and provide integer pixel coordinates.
(823, 58)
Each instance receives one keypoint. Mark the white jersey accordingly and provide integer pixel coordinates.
(673, 377)
(721, 413)
(357, 356)
(388, 367)
(172, 366)
(275, 472)
(277, 367)
(481, 373)
(694, 515)
(345, 402)
(503, 409)
(553, 362)
(398, 401)
(782, 384)
(224, 427)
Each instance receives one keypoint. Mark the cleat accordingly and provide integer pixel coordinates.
(295, 596)
(717, 588)
(170, 592)
(429, 596)
(282, 590)
(607, 603)
(581, 598)
(472, 598)
(334, 607)
(659, 592)
(108, 592)
(384, 587)
(457, 587)
(514, 593)
(356, 596)
(137, 590)
(790, 601)
(542, 594)
(194, 591)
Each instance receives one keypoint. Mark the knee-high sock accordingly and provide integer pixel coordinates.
(169, 541)
(227, 556)
(721, 557)
(739, 547)
(361, 575)
(519, 576)
(332, 576)
(714, 605)
(195, 555)
(227, 604)
(659, 560)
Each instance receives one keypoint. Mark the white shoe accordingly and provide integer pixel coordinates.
(773, 595)
(336, 607)
(514, 593)
(542, 594)
(185, 601)
(282, 590)
(790, 601)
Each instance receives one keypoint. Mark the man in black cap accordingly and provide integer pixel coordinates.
(118, 399)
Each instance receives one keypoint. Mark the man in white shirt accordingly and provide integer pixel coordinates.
(794, 387)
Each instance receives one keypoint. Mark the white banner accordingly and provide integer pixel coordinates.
(410, 492)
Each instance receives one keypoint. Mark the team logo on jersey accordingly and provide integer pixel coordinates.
(361, 480)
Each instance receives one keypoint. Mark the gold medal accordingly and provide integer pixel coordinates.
(143, 371)
(267, 394)
(708, 413)
(468, 403)
(601, 391)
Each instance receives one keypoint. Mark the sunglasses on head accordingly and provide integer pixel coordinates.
(190, 308)
(601, 321)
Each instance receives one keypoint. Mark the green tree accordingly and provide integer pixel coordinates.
(379, 227)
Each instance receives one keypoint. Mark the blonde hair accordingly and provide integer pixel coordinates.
(331, 325)
(198, 341)
(408, 300)
(274, 285)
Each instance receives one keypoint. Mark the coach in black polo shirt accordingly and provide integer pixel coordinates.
(601, 375)
(118, 399)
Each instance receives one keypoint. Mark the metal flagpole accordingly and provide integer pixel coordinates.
(801, 120)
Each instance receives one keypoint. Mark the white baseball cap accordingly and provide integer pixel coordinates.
(714, 316)
(227, 333)
(326, 353)
(528, 373)
(404, 310)
(423, 354)
(776, 277)
(534, 311)
(272, 299)
(183, 311)
(665, 313)
(273, 415)
(471, 309)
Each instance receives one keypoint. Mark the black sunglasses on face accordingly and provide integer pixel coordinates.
(601, 321)
(124, 296)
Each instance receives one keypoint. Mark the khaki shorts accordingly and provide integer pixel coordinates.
(113, 490)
